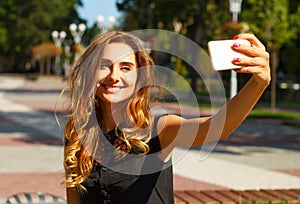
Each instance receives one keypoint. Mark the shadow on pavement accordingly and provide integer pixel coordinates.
(31, 127)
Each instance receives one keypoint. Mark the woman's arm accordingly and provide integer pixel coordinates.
(177, 131)
(73, 196)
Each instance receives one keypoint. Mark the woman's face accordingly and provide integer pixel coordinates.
(118, 73)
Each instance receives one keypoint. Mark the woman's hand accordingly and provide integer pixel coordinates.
(257, 63)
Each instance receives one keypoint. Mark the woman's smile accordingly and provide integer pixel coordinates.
(112, 88)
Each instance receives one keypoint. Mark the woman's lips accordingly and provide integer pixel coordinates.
(111, 88)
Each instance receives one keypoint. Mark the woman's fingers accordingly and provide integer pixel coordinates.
(252, 65)
(251, 61)
(257, 63)
(252, 39)
(257, 54)
(250, 51)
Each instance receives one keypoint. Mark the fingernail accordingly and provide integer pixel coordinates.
(235, 37)
(236, 59)
(236, 45)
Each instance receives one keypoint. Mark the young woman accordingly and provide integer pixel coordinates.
(116, 151)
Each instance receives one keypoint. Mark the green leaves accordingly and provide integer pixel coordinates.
(28, 23)
(272, 21)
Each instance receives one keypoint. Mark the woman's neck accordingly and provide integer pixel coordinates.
(110, 116)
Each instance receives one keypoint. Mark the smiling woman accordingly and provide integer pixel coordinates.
(116, 149)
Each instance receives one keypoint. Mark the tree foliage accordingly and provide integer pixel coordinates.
(201, 19)
(272, 21)
(204, 20)
(275, 22)
(24, 24)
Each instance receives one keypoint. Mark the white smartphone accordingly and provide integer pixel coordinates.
(221, 53)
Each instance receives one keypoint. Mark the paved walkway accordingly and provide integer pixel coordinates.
(259, 154)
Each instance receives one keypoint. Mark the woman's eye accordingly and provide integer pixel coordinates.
(105, 66)
(126, 69)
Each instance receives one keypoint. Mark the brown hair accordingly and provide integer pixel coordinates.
(82, 129)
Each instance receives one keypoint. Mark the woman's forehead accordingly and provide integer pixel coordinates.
(115, 52)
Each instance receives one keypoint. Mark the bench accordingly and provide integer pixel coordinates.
(235, 196)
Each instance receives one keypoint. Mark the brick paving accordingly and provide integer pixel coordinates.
(236, 196)
(40, 96)
(12, 183)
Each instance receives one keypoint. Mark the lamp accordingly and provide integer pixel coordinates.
(77, 32)
(58, 38)
(100, 23)
(235, 9)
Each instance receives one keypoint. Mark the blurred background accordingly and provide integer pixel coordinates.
(39, 41)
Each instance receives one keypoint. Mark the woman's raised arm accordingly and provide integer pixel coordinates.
(177, 131)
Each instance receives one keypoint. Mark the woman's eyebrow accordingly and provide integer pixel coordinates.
(107, 61)
(131, 64)
(122, 63)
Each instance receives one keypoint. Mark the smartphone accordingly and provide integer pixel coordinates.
(221, 53)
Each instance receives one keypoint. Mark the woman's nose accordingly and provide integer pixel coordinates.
(114, 74)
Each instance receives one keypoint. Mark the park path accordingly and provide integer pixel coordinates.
(259, 154)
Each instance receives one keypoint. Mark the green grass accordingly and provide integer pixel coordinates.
(262, 113)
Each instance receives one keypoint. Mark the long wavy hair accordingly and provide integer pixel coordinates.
(82, 126)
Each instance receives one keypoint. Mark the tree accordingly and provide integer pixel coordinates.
(24, 24)
(193, 14)
(201, 20)
(274, 23)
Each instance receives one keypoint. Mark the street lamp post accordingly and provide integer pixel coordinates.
(77, 32)
(58, 38)
(235, 9)
(67, 65)
(104, 28)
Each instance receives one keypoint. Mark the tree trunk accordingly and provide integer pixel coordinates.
(48, 66)
(274, 65)
(42, 66)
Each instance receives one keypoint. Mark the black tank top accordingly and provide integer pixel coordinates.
(112, 181)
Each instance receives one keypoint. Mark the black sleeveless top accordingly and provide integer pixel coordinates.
(134, 180)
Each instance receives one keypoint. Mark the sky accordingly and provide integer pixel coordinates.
(93, 8)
